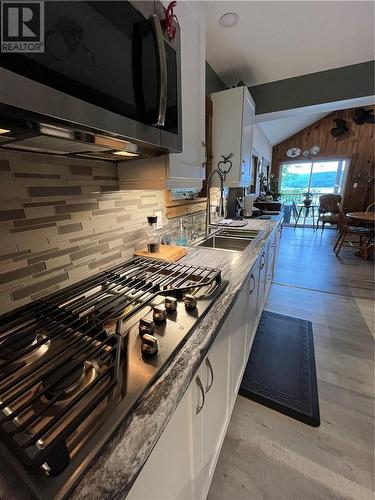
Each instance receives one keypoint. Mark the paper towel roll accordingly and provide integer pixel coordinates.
(248, 204)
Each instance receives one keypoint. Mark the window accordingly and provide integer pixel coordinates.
(318, 177)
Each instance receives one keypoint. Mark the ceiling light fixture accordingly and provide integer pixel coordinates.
(4, 130)
(229, 19)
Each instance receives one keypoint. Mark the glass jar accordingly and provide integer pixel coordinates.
(153, 239)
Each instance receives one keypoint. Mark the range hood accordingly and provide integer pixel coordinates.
(26, 131)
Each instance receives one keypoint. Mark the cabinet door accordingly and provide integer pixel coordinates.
(227, 133)
(247, 138)
(237, 323)
(277, 246)
(270, 263)
(173, 471)
(190, 163)
(253, 307)
(232, 132)
(262, 280)
(215, 377)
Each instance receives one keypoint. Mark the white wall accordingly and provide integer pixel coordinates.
(261, 143)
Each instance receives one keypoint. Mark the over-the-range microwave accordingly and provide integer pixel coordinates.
(107, 85)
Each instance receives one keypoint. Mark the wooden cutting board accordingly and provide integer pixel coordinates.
(166, 252)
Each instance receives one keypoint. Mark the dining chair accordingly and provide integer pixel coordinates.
(346, 230)
(371, 208)
(328, 211)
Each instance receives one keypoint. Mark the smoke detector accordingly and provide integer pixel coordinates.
(229, 19)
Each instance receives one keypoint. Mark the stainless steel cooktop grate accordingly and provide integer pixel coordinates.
(67, 358)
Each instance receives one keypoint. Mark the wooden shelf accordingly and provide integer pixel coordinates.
(179, 208)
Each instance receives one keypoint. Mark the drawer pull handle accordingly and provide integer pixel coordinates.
(262, 260)
(209, 384)
(201, 390)
(253, 288)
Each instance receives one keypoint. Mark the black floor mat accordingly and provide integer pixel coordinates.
(280, 372)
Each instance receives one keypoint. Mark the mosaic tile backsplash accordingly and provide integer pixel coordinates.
(63, 220)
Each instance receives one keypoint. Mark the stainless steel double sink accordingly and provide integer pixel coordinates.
(235, 240)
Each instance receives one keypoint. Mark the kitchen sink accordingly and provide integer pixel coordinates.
(249, 234)
(235, 241)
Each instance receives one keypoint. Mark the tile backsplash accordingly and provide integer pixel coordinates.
(62, 220)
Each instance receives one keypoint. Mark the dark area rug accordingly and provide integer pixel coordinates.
(280, 372)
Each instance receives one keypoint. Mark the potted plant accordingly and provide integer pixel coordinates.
(268, 196)
(274, 187)
(308, 198)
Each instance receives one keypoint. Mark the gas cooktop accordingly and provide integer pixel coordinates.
(72, 365)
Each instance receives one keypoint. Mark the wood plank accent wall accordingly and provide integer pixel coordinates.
(358, 147)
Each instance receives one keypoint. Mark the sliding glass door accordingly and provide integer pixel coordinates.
(318, 177)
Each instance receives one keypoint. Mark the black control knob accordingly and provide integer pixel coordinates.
(160, 314)
(149, 346)
(190, 301)
(170, 304)
(146, 326)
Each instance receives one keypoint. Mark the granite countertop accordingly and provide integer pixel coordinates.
(120, 461)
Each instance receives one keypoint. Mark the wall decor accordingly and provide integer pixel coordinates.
(341, 130)
(362, 115)
(305, 153)
(293, 152)
(314, 150)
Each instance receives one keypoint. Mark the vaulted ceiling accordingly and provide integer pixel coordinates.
(278, 130)
(281, 39)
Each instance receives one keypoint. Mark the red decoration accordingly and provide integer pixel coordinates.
(167, 22)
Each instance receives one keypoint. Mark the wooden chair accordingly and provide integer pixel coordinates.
(328, 212)
(371, 208)
(346, 230)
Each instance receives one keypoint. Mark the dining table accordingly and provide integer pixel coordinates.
(367, 219)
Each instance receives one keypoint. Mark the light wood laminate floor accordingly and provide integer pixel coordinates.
(268, 456)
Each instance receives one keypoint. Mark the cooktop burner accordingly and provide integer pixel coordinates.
(64, 380)
(13, 347)
(72, 365)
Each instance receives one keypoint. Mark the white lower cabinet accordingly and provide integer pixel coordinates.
(278, 233)
(237, 323)
(183, 461)
(262, 279)
(254, 310)
(215, 376)
(173, 470)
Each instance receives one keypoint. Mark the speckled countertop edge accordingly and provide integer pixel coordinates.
(120, 461)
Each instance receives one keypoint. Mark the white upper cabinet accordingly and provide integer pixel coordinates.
(186, 169)
(232, 132)
(193, 49)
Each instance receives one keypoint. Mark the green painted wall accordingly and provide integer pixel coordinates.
(338, 84)
(213, 82)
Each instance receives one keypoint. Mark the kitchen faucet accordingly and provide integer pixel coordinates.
(221, 206)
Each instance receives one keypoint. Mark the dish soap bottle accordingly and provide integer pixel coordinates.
(153, 239)
(183, 235)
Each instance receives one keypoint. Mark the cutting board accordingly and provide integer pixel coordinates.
(166, 252)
